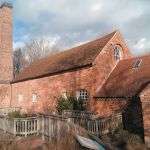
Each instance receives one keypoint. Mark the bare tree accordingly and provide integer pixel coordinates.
(39, 48)
(33, 50)
(18, 60)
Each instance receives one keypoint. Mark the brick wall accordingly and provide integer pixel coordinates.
(6, 64)
(104, 65)
(5, 95)
(145, 99)
(48, 89)
(41, 94)
(105, 62)
(107, 106)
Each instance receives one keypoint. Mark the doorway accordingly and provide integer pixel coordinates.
(133, 117)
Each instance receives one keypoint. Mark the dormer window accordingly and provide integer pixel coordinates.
(117, 52)
(137, 63)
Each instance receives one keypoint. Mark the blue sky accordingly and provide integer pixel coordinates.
(72, 22)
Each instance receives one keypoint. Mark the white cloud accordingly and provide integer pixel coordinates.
(18, 44)
(75, 21)
(141, 47)
(79, 43)
(64, 11)
(96, 7)
(140, 44)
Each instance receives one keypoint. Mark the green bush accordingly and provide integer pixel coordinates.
(69, 103)
(64, 104)
(78, 105)
(16, 114)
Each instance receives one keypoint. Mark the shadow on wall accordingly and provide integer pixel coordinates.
(133, 117)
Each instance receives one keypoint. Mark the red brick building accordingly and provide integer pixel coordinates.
(102, 72)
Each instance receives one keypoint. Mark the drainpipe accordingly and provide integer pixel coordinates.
(10, 94)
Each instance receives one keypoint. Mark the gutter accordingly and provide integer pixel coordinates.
(54, 73)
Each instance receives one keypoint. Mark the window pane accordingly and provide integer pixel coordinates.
(137, 63)
(117, 52)
(83, 95)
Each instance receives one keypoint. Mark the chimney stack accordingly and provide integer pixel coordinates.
(6, 4)
(6, 42)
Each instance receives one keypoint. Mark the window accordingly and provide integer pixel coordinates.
(82, 94)
(137, 63)
(117, 52)
(34, 98)
(20, 97)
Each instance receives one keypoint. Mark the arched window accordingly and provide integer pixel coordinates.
(117, 52)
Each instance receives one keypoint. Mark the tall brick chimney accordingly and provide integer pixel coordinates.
(6, 48)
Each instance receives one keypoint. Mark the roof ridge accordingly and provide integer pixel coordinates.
(84, 44)
(94, 40)
(113, 34)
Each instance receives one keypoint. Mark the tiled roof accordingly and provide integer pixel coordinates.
(74, 58)
(125, 80)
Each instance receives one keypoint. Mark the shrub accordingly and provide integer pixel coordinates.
(64, 104)
(123, 139)
(69, 103)
(78, 105)
(16, 114)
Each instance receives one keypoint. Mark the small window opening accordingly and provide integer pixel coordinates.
(137, 63)
(34, 98)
